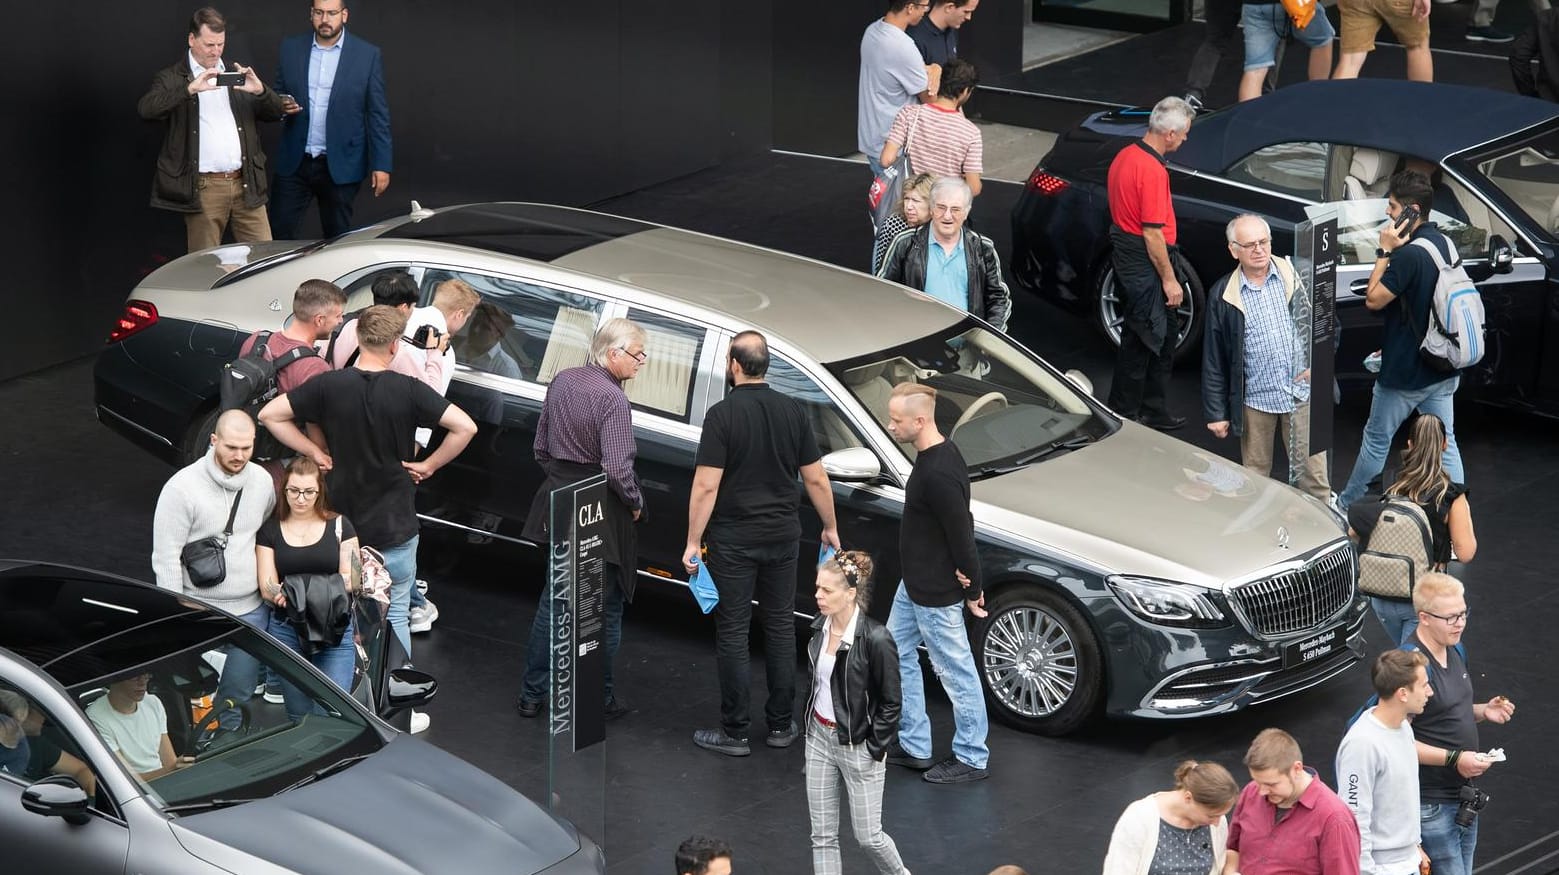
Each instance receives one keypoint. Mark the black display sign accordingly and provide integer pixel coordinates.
(1323, 332)
(577, 587)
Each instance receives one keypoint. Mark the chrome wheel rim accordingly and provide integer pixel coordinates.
(1030, 661)
(1112, 320)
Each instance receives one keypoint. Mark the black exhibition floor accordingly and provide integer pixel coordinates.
(77, 493)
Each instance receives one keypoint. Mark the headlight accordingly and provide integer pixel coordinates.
(1170, 604)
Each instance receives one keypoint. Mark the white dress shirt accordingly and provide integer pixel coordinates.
(220, 151)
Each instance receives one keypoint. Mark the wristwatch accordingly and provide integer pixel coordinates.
(1381, 253)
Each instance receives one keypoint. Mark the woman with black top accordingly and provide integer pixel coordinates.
(1424, 482)
(852, 715)
(306, 537)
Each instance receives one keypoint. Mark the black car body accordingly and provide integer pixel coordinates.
(1495, 158)
(337, 791)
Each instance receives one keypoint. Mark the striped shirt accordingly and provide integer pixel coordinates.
(1273, 353)
(942, 141)
(587, 419)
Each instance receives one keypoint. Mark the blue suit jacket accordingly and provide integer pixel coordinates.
(357, 124)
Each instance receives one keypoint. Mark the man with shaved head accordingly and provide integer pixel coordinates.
(941, 575)
(221, 493)
(743, 510)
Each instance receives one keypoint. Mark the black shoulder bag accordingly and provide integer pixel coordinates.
(205, 560)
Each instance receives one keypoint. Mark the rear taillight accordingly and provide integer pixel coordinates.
(1044, 183)
(137, 317)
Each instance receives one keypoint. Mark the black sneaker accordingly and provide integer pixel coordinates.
(1488, 35)
(527, 708)
(615, 708)
(1165, 422)
(954, 771)
(898, 757)
(783, 737)
(717, 741)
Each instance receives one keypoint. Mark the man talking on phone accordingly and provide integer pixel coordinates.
(209, 167)
(1402, 288)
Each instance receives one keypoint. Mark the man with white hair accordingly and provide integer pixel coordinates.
(949, 261)
(1255, 371)
(586, 429)
(1142, 237)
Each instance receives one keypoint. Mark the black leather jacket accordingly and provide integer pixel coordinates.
(905, 263)
(866, 693)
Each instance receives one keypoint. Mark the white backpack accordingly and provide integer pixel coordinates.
(1453, 339)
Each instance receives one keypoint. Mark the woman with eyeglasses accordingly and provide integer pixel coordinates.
(306, 537)
(1424, 482)
(852, 715)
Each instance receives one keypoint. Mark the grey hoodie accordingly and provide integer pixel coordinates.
(194, 504)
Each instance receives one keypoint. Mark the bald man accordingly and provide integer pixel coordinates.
(196, 503)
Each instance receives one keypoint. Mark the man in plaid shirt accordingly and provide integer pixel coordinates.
(1255, 364)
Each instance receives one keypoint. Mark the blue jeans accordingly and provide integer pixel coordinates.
(1398, 616)
(1389, 409)
(335, 662)
(538, 663)
(1449, 846)
(401, 562)
(942, 631)
(241, 671)
(875, 165)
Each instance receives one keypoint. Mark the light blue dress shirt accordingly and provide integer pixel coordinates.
(322, 75)
(947, 274)
(1273, 354)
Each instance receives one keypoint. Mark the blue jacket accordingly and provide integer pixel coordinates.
(1223, 348)
(357, 124)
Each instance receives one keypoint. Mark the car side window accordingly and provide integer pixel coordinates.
(664, 384)
(360, 291)
(829, 426)
(521, 330)
(33, 746)
(1298, 169)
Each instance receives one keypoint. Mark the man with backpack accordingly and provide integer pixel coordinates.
(288, 358)
(1403, 288)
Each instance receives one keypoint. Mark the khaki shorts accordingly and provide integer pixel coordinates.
(1361, 20)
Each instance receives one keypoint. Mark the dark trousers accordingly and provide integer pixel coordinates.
(1141, 384)
(290, 196)
(766, 572)
(1224, 39)
(538, 660)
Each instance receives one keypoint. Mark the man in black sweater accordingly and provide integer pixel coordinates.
(941, 574)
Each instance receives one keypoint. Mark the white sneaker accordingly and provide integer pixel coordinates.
(419, 722)
(422, 586)
(274, 697)
(419, 618)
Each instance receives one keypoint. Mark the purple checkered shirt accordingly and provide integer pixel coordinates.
(586, 418)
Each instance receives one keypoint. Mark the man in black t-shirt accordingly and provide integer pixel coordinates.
(1446, 734)
(369, 414)
(744, 504)
(936, 34)
(1402, 289)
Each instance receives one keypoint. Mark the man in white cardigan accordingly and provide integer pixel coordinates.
(195, 503)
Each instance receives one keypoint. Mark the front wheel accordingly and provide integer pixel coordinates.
(1188, 316)
(1039, 661)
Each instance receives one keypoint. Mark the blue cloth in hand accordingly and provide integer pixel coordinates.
(703, 587)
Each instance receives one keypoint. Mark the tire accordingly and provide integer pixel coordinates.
(198, 439)
(1192, 310)
(1039, 661)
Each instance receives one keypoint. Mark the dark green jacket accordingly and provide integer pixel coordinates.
(178, 163)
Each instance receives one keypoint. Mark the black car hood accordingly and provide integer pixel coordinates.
(408, 809)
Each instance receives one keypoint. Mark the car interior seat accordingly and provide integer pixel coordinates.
(1369, 174)
(870, 384)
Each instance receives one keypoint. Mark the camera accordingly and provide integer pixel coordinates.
(426, 337)
(1471, 801)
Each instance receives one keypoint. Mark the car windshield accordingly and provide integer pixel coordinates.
(171, 666)
(998, 403)
(1529, 175)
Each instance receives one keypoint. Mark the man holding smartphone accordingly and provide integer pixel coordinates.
(1402, 288)
(209, 167)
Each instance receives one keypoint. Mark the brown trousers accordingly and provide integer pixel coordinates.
(1256, 446)
(221, 205)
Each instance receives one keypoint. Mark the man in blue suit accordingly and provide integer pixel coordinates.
(338, 134)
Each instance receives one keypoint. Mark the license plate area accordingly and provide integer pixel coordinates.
(1315, 647)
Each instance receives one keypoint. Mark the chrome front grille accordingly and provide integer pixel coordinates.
(1299, 599)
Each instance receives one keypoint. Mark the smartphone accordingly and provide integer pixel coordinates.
(1407, 217)
(231, 79)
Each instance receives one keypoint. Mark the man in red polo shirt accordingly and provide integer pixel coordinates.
(1142, 231)
(1288, 822)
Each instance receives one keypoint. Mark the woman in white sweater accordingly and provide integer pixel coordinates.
(1176, 832)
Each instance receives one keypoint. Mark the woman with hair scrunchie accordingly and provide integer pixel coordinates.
(1182, 831)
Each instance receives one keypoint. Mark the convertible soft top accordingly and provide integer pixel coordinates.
(1427, 120)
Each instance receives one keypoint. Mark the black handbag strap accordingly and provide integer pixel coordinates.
(232, 515)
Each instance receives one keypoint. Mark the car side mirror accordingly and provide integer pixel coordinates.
(410, 688)
(1081, 381)
(1502, 258)
(852, 465)
(57, 796)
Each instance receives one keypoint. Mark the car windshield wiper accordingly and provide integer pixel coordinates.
(326, 772)
(1051, 449)
(985, 471)
(208, 805)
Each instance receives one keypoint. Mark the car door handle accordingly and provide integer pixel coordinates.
(1359, 286)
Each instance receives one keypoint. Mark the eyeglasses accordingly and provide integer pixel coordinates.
(1254, 245)
(639, 356)
(1451, 619)
(326, 13)
(950, 209)
(295, 492)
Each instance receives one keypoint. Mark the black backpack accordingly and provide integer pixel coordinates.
(248, 383)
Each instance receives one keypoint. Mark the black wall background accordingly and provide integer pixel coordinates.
(570, 102)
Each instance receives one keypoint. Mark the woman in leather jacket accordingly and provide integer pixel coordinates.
(852, 715)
